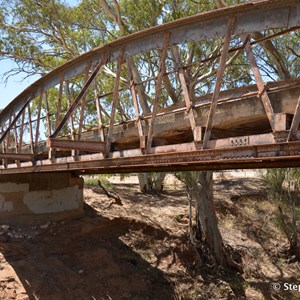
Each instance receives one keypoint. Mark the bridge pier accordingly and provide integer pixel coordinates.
(33, 198)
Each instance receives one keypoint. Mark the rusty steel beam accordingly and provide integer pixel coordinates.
(261, 85)
(59, 100)
(115, 100)
(83, 102)
(197, 130)
(99, 112)
(89, 146)
(16, 138)
(255, 156)
(295, 123)
(21, 131)
(158, 88)
(48, 120)
(290, 162)
(135, 104)
(38, 121)
(17, 156)
(30, 129)
(221, 69)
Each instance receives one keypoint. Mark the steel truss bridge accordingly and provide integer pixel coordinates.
(70, 121)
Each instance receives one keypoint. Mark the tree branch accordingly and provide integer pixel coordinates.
(117, 198)
(113, 74)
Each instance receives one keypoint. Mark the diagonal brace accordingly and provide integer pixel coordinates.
(260, 84)
(161, 71)
(103, 61)
(215, 97)
(188, 102)
(295, 123)
(115, 100)
(135, 103)
(13, 122)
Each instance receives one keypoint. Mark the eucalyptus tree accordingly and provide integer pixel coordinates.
(40, 35)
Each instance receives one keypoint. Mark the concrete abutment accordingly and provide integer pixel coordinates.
(33, 198)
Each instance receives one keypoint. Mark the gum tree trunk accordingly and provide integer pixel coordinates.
(151, 182)
(200, 189)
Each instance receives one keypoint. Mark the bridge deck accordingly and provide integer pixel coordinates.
(249, 127)
(237, 140)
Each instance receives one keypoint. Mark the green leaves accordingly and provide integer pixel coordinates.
(141, 14)
(41, 35)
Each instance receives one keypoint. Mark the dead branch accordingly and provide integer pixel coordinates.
(107, 9)
(114, 14)
(108, 71)
(111, 195)
(214, 70)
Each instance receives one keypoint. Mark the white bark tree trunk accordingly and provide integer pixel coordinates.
(200, 189)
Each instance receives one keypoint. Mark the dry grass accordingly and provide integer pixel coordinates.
(250, 212)
(228, 222)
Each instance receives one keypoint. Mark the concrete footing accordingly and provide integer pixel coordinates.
(40, 197)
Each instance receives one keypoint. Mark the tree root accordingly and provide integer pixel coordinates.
(233, 259)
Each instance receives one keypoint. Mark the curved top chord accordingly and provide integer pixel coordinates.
(252, 16)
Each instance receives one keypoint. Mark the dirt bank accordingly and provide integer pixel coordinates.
(140, 249)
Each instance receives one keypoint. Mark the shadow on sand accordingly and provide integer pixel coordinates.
(85, 259)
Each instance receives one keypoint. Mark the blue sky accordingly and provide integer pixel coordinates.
(16, 84)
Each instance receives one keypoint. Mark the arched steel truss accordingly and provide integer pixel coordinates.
(113, 147)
